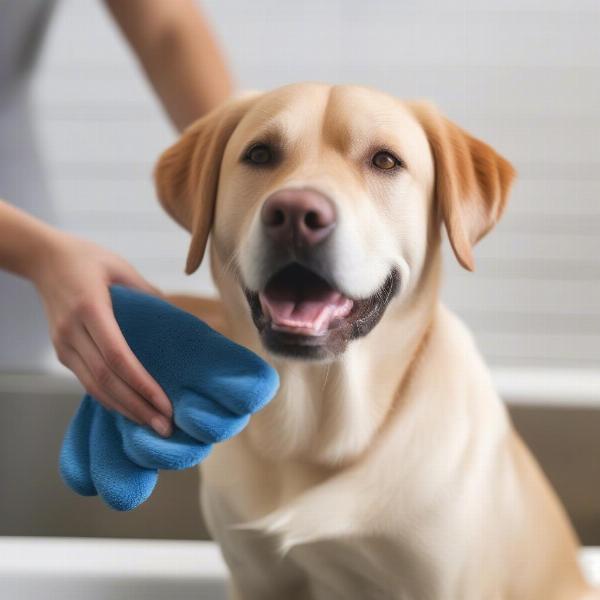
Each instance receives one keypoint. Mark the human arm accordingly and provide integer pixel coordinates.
(178, 52)
(72, 277)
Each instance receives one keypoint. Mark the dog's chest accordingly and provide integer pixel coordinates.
(324, 544)
(324, 570)
(285, 556)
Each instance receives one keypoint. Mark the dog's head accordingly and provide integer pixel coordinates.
(322, 202)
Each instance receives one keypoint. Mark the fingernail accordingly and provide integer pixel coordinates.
(161, 426)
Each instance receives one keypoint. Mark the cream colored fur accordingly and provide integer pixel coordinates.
(391, 471)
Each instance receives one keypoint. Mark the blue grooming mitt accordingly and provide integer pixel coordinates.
(213, 383)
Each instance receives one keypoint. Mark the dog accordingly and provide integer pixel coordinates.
(386, 467)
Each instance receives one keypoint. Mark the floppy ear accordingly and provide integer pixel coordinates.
(187, 173)
(472, 182)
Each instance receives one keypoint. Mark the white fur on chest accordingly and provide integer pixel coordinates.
(349, 537)
(391, 525)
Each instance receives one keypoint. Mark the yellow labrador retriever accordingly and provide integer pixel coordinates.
(386, 467)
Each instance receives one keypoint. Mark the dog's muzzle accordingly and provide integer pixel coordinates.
(299, 310)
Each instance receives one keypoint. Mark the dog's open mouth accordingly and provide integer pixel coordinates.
(300, 314)
(298, 301)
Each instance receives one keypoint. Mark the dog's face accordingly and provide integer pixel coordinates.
(323, 201)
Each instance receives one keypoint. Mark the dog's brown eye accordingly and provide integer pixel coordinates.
(260, 154)
(385, 161)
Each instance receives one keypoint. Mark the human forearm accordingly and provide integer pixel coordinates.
(72, 277)
(178, 52)
(24, 241)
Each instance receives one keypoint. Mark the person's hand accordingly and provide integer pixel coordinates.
(73, 278)
(215, 386)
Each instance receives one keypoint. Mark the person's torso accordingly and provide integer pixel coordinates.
(24, 342)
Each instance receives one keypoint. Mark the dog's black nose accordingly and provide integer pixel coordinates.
(298, 217)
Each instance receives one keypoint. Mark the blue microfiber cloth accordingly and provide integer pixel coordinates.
(213, 383)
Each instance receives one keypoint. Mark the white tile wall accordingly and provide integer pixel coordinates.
(522, 74)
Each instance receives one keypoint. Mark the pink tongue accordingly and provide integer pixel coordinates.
(310, 315)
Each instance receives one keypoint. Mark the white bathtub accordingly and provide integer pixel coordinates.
(107, 569)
